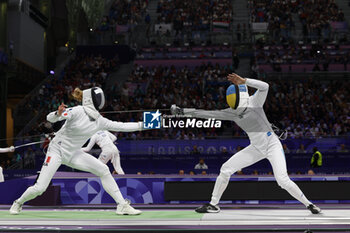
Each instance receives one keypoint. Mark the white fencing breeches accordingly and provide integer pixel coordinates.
(80, 160)
(1, 175)
(251, 155)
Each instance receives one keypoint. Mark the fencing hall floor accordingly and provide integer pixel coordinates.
(175, 218)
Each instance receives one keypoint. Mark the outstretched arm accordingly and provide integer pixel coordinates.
(224, 114)
(227, 114)
(121, 126)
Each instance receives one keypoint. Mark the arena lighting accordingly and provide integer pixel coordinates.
(90, 29)
(116, 42)
(52, 72)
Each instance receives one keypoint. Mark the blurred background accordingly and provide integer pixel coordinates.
(152, 54)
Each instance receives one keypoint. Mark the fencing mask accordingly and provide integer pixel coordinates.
(93, 101)
(237, 97)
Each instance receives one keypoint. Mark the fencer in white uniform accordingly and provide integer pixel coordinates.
(5, 150)
(81, 123)
(105, 140)
(247, 111)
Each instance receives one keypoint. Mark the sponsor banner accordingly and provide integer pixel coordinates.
(205, 146)
(143, 190)
(214, 146)
(173, 147)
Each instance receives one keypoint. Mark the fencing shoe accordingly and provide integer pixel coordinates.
(127, 209)
(314, 209)
(16, 208)
(208, 208)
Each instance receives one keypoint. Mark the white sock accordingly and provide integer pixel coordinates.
(112, 188)
(219, 188)
(28, 195)
(295, 191)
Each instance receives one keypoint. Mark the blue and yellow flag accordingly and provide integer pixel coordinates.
(233, 94)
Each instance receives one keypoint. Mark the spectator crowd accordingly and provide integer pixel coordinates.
(315, 16)
(306, 108)
(194, 13)
(194, 18)
(320, 55)
(124, 12)
(82, 71)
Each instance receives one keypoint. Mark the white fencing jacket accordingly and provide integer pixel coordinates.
(79, 127)
(253, 120)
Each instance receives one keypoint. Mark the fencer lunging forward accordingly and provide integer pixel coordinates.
(5, 150)
(247, 111)
(105, 140)
(81, 123)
